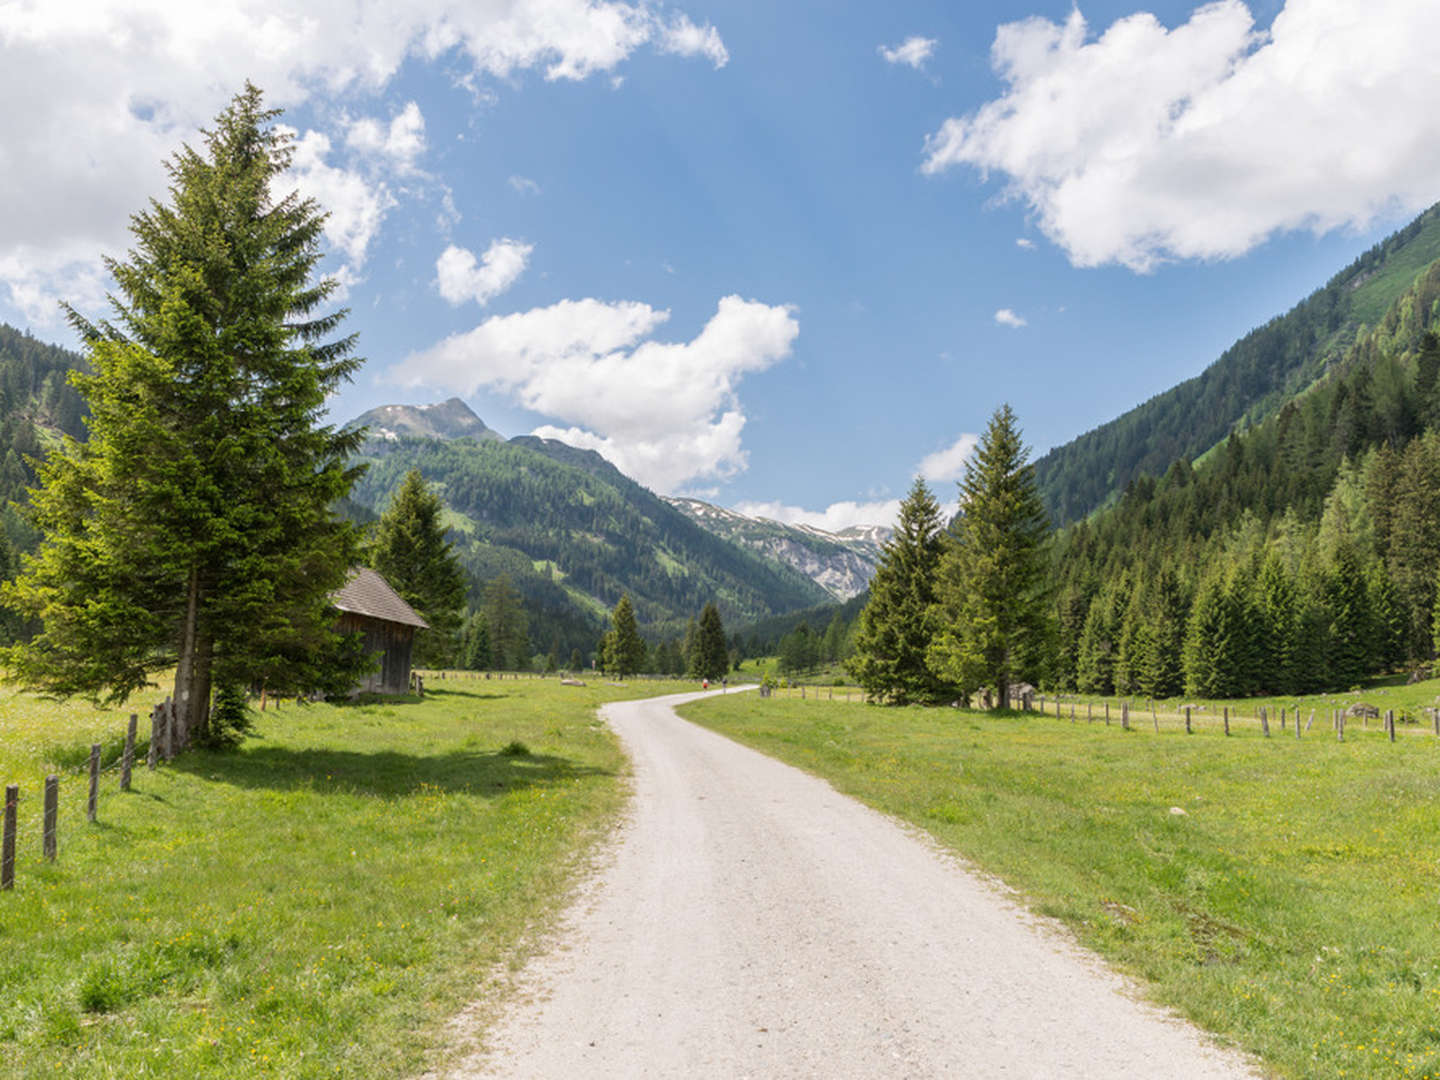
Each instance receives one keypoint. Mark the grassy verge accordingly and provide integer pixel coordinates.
(316, 904)
(1281, 893)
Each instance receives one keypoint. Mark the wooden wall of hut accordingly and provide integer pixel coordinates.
(394, 642)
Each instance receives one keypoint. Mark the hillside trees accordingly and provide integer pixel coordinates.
(889, 651)
(991, 603)
(193, 529)
(411, 552)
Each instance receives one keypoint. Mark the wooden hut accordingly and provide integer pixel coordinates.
(370, 606)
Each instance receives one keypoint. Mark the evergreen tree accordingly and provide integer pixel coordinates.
(991, 604)
(1209, 644)
(412, 554)
(1162, 672)
(893, 633)
(475, 644)
(1348, 656)
(507, 624)
(712, 658)
(1278, 613)
(193, 529)
(624, 649)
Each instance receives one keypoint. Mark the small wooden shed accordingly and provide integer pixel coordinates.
(370, 606)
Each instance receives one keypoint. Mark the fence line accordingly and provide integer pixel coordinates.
(43, 831)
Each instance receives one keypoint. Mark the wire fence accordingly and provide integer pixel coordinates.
(36, 822)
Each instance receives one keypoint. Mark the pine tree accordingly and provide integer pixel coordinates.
(991, 606)
(893, 634)
(1208, 642)
(412, 554)
(712, 657)
(624, 648)
(193, 529)
(475, 644)
(508, 625)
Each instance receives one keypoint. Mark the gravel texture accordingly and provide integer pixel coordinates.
(749, 921)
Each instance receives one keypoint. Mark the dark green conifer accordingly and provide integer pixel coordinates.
(889, 658)
(991, 604)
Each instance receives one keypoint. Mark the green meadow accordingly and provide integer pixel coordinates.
(318, 903)
(1282, 893)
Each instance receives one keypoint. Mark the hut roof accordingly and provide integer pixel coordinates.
(367, 593)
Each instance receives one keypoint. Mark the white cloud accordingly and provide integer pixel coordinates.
(126, 81)
(836, 516)
(684, 38)
(1147, 144)
(356, 205)
(948, 464)
(460, 278)
(401, 142)
(664, 413)
(913, 52)
(1025, 242)
(942, 467)
(1006, 317)
(523, 185)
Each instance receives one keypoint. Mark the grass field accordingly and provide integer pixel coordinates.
(1284, 894)
(316, 904)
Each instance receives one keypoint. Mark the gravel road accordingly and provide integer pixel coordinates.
(751, 922)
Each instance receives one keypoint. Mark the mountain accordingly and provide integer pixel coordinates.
(1251, 380)
(840, 563)
(575, 534)
(451, 419)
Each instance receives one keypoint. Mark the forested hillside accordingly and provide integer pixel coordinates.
(574, 534)
(1302, 555)
(1248, 383)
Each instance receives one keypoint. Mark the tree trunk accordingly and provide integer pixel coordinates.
(187, 667)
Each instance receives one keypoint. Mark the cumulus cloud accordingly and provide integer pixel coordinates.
(836, 516)
(401, 142)
(942, 467)
(356, 205)
(948, 465)
(126, 81)
(523, 185)
(666, 413)
(1146, 143)
(1006, 317)
(460, 277)
(912, 52)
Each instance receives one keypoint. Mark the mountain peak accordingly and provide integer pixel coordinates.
(450, 419)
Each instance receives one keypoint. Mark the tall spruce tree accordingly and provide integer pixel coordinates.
(412, 554)
(890, 643)
(623, 649)
(711, 658)
(193, 529)
(509, 626)
(991, 605)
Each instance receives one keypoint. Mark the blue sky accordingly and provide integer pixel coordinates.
(782, 256)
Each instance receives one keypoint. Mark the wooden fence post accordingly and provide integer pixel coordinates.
(167, 728)
(152, 753)
(127, 762)
(1390, 723)
(48, 843)
(1340, 731)
(1264, 722)
(7, 846)
(1297, 722)
(1227, 719)
(93, 803)
(1125, 715)
(1107, 714)
(1309, 723)
(1187, 720)
(1156, 721)
(1090, 713)
(1436, 714)
(1282, 717)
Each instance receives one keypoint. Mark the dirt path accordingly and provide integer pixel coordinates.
(751, 922)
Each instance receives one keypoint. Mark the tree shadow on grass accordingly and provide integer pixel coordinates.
(385, 774)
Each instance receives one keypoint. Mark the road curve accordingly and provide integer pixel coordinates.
(752, 922)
